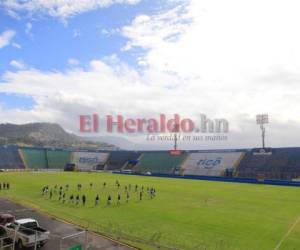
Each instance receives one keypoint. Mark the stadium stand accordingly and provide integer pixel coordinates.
(281, 163)
(120, 159)
(10, 158)
(211, 163)
(57, 159)
(89, 160)
(275, 163)
(252, 165)
(159, 162)
(34, 158)
(131, 164)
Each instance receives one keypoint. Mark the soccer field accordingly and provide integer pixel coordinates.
(185, 214)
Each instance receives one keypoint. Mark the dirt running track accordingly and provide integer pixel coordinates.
(57, 228)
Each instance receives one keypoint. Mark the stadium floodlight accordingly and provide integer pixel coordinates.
(175, 130)
(262, 119)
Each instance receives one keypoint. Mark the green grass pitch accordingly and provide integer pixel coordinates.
(186, 214)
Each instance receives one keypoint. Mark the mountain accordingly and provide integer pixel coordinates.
(47, 135)
(118, 141)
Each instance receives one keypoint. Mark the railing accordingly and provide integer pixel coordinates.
(6, 243)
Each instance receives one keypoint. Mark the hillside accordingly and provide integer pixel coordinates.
(46, 135)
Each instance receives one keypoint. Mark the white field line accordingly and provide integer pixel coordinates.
(287, 234)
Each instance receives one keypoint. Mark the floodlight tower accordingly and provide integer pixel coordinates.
(261, 120)
(175, 130)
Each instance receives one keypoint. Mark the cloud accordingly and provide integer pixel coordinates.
(102, 86)
(18, 64)
(226, 59)
(13, 14)
(110, 86)
(150, 32)
(230, 53)
(73, 61)
(16, 45)
(61, 9)
(110, 32)
(28, 28)
(216, 40)
(76, 33)
(6, 37)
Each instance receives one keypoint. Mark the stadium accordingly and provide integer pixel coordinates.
(205, 199)
(141, 124)
(263, 164)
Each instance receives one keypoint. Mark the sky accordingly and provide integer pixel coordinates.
(226, 59)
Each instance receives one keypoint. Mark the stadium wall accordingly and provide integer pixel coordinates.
(223, 179)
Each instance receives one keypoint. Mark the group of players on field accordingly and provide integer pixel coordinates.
(61, 193)
(4, 185)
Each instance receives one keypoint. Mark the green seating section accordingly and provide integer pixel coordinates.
(159, 162)
(34, 158)
(57, 159)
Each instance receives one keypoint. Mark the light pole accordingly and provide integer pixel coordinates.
(261, 120)
(175, 130)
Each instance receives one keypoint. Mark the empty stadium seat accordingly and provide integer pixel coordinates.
(34, 158)
(119, 159)
(283, 163)
(158, 162)
(57, 159)
(10, 158)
